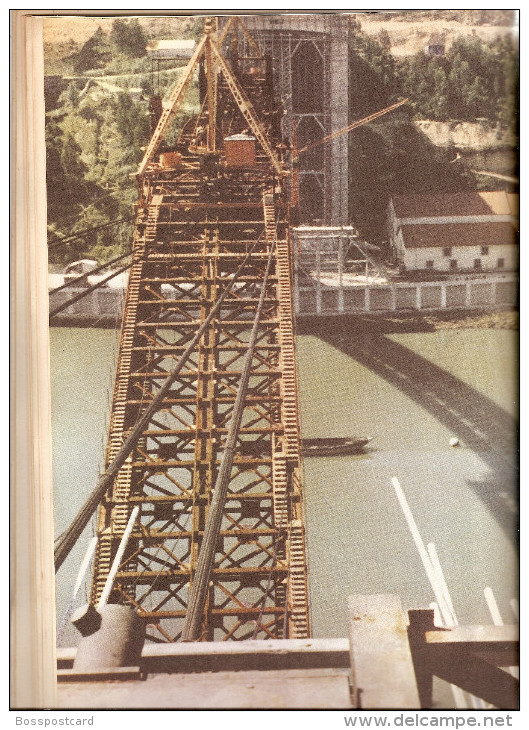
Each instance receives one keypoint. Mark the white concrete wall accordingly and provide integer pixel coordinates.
(416, 258)
(104, 303)
(487, 290)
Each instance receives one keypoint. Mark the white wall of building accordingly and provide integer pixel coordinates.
(418, 258)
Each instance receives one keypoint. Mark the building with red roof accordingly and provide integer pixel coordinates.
(455, 232)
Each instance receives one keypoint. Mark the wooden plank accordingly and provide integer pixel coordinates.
(283, 689)
(497, 645)
(464, 656)
(382, 668)
(238, 655)
(101, 675)
(261, 654)
(477, 638)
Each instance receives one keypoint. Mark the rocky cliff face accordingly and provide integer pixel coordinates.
(410, 30)
(474, 136)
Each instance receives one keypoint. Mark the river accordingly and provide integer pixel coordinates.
(412, 392)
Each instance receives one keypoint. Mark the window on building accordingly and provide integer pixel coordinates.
(477, 264)
(429, 264)
(447, 251)
(501, 263)
(453, 264)
(484, 250)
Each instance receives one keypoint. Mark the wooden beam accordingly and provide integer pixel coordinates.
(497, 645)
(381, 661)
(477, 676)
(174, 102)
(466, 656)
(247, 110)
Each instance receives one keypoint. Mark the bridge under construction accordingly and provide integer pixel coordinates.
(200, 513)
(200, 538)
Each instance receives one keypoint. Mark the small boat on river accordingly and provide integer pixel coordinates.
(334, 446)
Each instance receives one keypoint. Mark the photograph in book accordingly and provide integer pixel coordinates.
(283, 285)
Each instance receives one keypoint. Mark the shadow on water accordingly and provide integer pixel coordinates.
(480, 424)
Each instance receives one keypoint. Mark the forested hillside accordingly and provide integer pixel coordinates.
(97, 122)
(474, 81)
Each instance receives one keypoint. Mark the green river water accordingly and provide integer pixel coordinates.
(412, 392)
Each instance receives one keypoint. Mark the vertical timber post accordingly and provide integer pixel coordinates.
(383, 676)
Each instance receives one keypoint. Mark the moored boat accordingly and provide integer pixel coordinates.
(333, 446)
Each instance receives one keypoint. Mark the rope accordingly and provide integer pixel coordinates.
(90, 273)
(71, 535)
(81, 234)
(199, 588)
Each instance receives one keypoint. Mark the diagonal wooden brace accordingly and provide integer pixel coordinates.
(470, 657)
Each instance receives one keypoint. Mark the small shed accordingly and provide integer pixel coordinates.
(435, 46)
(177, 49)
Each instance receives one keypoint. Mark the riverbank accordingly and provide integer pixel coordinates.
(506, 319)
(480, 319)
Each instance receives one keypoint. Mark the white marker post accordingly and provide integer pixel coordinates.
(78, 583)
(497, 620)
(118, 558)
(84, 565)
(450, 619)
(457, 692)
(423, 553)
(493, 607)
(437, 618)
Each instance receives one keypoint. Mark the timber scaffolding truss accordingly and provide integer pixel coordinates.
(200, 235)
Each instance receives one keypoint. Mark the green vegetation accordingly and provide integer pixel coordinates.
(470, 17)
(93, 145)
(128, 37)
(95, 53)
(474, 80)
(372, 72)
(95, 132)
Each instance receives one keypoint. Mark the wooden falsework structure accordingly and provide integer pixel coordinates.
(387, 663)
(395, 656)
(204, 229)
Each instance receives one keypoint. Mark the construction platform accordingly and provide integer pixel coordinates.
(389, 661)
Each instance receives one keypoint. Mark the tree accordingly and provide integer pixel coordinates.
(56, 187)
(469, 82)
(128, 37)
(95, 53)
(373, 81)
(70, 96)
(72, 165)
(385, 41)
(132, 126)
